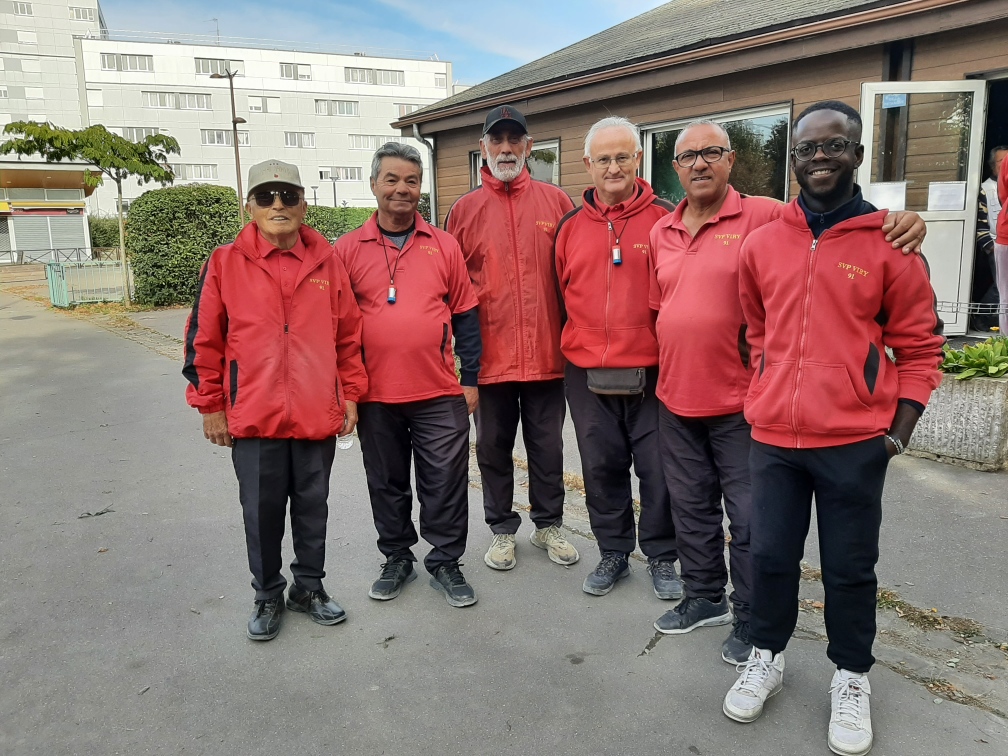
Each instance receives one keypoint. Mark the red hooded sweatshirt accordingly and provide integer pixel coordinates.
(820, 314)
(506, 234)
(609, 322)
(276, 374)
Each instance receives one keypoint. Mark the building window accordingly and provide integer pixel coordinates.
(29, 65)
(23, 9)
(337, 108)
(216, 137)
(360, 75)
(128, 63)
(35, 93)
(139, 133)
(390, 78)
(304, 139)
(207, 66)
(82, 14)
(94, 97)
(160, 100)
(544, 162)
(441, 81)
(370, 141)
(475, 164)
(27, 38)
(300, 71)
(243, 139)
(404, 109)
(760, 141)
(195, 171)
(193, 101)
(257, 104)
(3, 92)
(345, 174)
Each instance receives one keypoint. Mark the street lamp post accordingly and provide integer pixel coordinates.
(335, 202)
(315, 194)
(235, 120)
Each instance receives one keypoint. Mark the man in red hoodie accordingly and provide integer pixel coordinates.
(612, 371)
(1000, 234)
(273, 359)
(823, 298)
(505, 228)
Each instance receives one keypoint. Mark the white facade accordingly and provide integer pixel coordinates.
(326, 113)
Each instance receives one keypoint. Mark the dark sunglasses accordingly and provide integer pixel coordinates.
(265, 198)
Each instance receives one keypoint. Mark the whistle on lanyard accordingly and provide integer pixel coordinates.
(617, 255)
(391, 294)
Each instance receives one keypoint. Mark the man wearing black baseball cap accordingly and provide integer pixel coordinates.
(506, 228)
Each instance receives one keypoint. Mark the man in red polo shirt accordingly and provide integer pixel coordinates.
(609, 342)
(414, 294)
(1000, 234)
(277, 385)
(505, 228)
(704, 375)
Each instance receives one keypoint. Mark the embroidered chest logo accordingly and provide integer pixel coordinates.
(320, 282)
(546, 226)
(852, 271)
(727, 239)
(430, 250)
(644, 248)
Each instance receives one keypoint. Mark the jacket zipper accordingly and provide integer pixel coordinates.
(286, 342)
(608, 287)
(517, 262)
(799, 367)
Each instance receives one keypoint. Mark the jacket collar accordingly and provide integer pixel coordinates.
(643, 196)
(369, 231)
(854, 213)
(731, 207)
(522, 182)
(316, 246)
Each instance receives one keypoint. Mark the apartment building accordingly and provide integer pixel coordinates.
(325, 112)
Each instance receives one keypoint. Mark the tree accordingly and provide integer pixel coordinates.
(114, 156)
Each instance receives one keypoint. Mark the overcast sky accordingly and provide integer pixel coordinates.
(481, 39)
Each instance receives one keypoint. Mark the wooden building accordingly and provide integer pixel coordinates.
(930, 78)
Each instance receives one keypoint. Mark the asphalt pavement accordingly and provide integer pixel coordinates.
(124, 632)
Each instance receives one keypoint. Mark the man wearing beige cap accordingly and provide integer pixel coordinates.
(273, 359)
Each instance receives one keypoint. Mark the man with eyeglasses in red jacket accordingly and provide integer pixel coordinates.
(273, 359)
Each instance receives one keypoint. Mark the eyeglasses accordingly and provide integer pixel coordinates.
(266, 197)
(709, 155)
(831, 148)
(621, 160)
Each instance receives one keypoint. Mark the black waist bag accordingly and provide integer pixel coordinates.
(617, 381)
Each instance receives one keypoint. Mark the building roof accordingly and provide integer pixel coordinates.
(675, 27)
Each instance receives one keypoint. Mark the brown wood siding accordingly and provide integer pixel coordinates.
(836, 76)
(956, 54)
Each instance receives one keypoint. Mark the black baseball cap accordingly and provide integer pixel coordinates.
(502, 114)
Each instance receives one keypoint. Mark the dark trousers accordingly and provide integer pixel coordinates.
(270, 471)
(541, 408)
(705, 459)
(847, 482)
(613, 432)
(435, 433)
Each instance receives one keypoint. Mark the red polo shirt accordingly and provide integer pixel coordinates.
(695, 289)
(407, 346)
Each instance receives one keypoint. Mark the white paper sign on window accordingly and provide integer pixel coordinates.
(890, 195)
(946, 195)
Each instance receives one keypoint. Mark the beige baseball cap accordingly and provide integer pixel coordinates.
(273, 172)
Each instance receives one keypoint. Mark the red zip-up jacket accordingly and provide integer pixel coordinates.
(506, 233)
(820, 314)
(275, 377)
(1001, 231)
(609, 322)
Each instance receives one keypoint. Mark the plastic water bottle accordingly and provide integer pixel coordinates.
(344, 442)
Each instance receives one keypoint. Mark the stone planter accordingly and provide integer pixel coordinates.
(966, 422)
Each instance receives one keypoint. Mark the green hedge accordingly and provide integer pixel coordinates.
(104, 231)
(171, 232)
(333, 222)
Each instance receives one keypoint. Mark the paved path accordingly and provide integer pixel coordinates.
(124, 633)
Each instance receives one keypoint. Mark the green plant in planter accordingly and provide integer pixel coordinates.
(986, 359)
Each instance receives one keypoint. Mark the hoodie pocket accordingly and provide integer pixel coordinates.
(766, 404)
(827, 402)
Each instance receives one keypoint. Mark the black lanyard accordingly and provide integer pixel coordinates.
(392, 268)
(617, 253)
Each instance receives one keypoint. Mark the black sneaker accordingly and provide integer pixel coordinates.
(736, 648)
(693, 613)
(610, 568)
(449, 580)
(264, 624)
(316, 604)
(395, 573)
(667, 584)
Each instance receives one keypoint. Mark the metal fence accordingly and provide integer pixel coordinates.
(74, 283)
(62, 254)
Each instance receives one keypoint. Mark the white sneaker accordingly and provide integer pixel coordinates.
(560, 550)
(762, 677)
(850, 731)
(501, 554)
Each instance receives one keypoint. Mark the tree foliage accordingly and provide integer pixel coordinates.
(172, 232)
